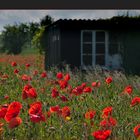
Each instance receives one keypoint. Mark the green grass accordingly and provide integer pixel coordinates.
(28, 51)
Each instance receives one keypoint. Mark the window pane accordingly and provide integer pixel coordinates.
(87, 48)
(87, 59)
(100, 59)
(87, 36)
(100, 36)
(100, 48)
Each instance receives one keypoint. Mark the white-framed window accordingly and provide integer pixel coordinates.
(94, 47)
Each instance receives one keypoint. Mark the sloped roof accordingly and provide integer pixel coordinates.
(118, 22)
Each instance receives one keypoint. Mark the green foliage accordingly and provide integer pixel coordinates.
(36, 41)
(29, 51)
(15, 37)
(39, 39)
(46, 20)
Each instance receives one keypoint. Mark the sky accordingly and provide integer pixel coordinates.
(18, 16)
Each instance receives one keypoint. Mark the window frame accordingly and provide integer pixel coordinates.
(94, 47)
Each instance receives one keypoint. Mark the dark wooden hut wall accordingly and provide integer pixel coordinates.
(53, 47)
(70, 47)
(131, 53)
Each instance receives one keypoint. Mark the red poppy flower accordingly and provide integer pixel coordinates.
(63, 84)
(16, 71)
(55, 93)
(59, 75)
(101, 134)
(35, 112)
(67, 77)
(25, 77)
(14, 122)
(90, 114)
(6, 97)
(65, 111)
(54, 109)
(3, 111)
(29, 92)
(108, 122)
(109, 80)
(27, 65)
(48, 114)
(77, 90)
(104, 123)
(27, 87)
(135, 101)
(107, 112)
(13, 111)
(13, 64)
(83, 85)
(63, 98)
(32, 93)
(87, 90)
(35, 107)
(128, 89)
(112, 121)
(24, 95)
(35, 72)
(69, 88)
(96, 84)
(43, 74)
(136, 130)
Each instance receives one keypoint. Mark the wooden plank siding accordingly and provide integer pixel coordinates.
(131, 54)
(52, 52)
(70, 47)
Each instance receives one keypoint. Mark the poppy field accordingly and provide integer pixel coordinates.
(67, 105)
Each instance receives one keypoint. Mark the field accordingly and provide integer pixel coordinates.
(66, 105)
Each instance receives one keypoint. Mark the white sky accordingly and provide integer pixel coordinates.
(17, 16)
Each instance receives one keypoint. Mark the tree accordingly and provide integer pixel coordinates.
(46, 20)
(14, 37)
(36, 41)
(33, 28)
(39, 39)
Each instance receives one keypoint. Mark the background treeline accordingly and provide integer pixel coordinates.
(14, 39)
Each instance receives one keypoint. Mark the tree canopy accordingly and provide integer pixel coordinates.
(14, 38)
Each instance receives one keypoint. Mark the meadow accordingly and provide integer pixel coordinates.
(66, 105)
